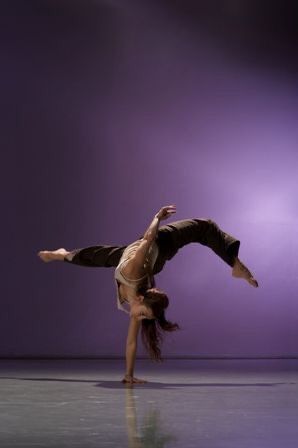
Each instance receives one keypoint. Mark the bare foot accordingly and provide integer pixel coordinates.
(241, 271)
(51, 255)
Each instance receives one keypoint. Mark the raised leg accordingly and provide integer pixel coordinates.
(93, 256)
(174, 236)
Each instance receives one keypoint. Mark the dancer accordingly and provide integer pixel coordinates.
(135, 267)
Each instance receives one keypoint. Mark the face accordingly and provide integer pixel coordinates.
(140, 311)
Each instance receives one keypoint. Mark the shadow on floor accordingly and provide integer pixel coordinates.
(149, 385)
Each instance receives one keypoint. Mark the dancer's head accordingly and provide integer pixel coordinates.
(151, 310)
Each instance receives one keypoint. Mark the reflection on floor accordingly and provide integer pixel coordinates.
(189, 403)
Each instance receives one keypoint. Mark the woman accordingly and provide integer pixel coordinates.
(136, 266)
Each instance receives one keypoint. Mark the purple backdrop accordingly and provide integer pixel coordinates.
(112, 109)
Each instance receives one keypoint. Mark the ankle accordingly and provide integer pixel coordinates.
(235, 261)
(63, 255)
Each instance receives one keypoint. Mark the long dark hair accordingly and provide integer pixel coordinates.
(153, 329)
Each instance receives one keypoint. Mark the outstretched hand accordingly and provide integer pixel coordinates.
(128, 379)
(166, 211)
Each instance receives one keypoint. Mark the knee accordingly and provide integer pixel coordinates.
(212, 224)
(206, 222)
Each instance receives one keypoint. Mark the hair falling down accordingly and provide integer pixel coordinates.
(153, 329)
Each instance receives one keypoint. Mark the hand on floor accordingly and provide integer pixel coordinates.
(128, 379)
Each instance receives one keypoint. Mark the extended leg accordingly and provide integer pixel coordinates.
(93, 256)
(174, 236)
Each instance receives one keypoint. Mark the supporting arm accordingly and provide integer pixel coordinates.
(131, 350)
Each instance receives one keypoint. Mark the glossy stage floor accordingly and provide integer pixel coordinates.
(186, 403)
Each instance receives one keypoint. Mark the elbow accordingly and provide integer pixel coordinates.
(131, 345)
(149, 237)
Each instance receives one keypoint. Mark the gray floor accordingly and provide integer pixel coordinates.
(202, 404)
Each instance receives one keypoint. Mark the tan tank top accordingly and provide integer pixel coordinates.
(128, 253)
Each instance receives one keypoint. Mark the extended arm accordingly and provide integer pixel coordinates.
(135, 266)
(163, 213)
